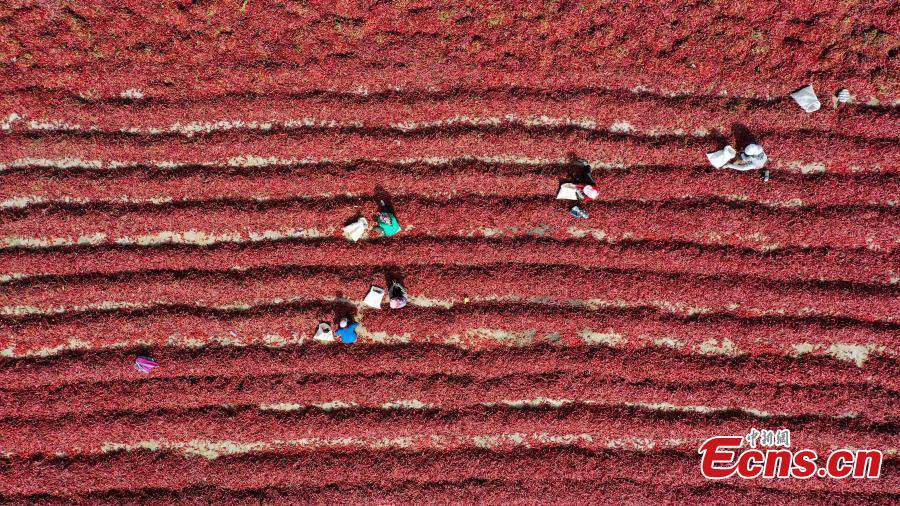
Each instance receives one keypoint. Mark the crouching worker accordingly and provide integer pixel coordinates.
(397, 294)
(752, 158)
(386, 220)
(347, 330)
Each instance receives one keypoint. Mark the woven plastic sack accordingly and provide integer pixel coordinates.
(356, 230)
(374, 297)
(567, 191)
(807, 99)
(324, 333)
(719, 158)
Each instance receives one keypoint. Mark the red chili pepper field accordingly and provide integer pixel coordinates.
(174, 177)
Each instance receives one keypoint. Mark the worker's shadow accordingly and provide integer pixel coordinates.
(384, 201)
(578, 170)
(742, 137)
(393, 275)
(343, 308)
(353, 219)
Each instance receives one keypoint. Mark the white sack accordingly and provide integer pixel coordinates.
(807, 99)
(567, 191)
(374, 297)
(719, 158)
(355, 230)
(324, 333)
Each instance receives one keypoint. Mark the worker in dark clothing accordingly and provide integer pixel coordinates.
(397, 295)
